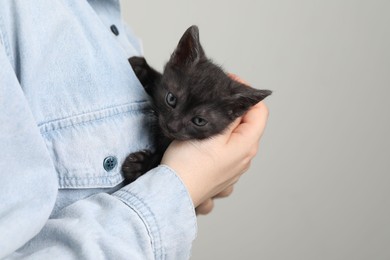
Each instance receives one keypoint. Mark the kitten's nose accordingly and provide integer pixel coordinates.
(173, 127)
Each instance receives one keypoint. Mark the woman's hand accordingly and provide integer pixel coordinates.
(210, 167)
(207, 206)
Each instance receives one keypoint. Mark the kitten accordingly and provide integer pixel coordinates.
(192, 99)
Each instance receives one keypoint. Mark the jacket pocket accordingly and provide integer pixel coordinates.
(88, 150)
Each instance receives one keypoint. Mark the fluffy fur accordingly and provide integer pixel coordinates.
(193, 99)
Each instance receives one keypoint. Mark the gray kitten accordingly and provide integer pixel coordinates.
(193, 99)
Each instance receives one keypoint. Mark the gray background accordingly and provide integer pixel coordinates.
(319, 187)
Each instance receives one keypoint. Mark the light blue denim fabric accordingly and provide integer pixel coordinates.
(69, 99)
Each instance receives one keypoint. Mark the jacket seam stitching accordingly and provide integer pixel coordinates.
(4, 41)
(158, 249)
(52, 126)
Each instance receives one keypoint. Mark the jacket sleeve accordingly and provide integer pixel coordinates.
(152, 218)
(28, 186)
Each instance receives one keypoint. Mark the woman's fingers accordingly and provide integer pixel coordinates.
(225, 193)
(205, 207)
(251, 127)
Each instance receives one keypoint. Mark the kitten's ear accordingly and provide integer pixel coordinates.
(244, 97)
(148, 76)
(189, 50)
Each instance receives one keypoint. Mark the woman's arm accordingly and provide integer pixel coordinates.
(153, 218)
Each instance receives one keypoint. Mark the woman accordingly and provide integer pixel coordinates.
(71, 111)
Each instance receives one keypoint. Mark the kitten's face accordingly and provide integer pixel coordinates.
(195, 99)
(192, 104)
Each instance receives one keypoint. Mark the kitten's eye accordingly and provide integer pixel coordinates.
(171, 100)
(199, 121)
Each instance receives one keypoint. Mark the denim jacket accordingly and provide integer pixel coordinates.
(71, 110)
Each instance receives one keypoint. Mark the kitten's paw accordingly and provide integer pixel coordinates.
(136, 164)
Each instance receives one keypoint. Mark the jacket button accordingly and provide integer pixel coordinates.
(109, 163)
(114, 30)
